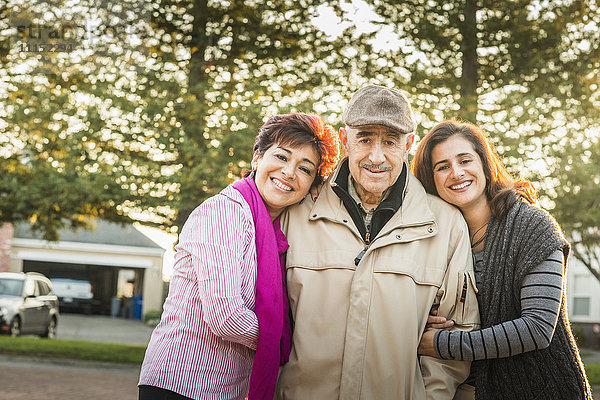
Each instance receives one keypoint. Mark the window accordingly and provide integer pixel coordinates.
(582, 295)
(43, 288)
(581, 306)
(582, 284)
(11, 287)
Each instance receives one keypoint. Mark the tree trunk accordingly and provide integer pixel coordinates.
(194, 124)
(198, 45)
(469, 80)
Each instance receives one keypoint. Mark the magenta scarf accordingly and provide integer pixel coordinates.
(271, 307)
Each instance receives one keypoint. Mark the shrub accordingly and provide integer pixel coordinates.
(152, 317)
(579, 333)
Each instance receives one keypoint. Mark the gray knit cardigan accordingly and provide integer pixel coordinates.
(513, 246)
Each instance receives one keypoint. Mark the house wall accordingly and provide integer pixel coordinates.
(153, 286)
(583, 293)
(583, 299)
(6, 236)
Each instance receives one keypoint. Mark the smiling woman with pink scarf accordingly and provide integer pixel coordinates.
(225, 329)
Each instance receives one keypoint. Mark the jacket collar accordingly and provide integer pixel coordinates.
(415, 209)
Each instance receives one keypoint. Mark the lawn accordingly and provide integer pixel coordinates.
(72, 349)
(593, 373)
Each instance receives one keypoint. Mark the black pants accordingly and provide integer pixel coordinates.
(147, 392)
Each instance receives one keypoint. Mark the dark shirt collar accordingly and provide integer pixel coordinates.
(384, 211)
(394, 199)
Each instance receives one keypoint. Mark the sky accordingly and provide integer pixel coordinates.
(362, 16)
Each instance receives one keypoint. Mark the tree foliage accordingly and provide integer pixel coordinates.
(146, 126)
(506, 65)
(154, 128)
(527, 72)
(87, 132)
(243, 60)
(576, 193)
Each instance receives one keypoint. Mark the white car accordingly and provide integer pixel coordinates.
(74, 294)
(27, 305)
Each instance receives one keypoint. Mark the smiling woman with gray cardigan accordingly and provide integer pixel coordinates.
(525, 349)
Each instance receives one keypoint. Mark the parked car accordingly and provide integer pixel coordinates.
(74, 294)
(27, 305)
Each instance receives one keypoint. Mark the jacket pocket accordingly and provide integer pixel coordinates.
(320, 260)
(422, 274)
(425, 265)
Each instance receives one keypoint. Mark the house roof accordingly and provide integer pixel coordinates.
(101, 232)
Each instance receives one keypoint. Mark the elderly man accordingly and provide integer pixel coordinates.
(367, 262)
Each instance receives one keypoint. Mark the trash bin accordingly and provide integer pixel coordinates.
(115, 306)
(126, 307)
(137, 307)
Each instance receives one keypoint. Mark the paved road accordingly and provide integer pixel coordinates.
(28, 378)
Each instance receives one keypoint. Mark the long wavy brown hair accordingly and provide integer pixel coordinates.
(501, 189)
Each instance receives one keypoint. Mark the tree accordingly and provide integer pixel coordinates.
(244, 61)
(493, 63)
(163, 124)
(527, 72)
(576, 191)
(88, 134)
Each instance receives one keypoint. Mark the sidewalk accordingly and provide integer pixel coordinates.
(31, 378)
(590, 356)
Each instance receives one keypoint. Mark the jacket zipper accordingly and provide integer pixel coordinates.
(368, 243)
(366, 240)
(463, 294)
(363, 251)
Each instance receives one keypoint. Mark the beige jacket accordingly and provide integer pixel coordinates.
(357, 328)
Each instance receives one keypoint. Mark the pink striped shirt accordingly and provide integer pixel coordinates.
(204, 345)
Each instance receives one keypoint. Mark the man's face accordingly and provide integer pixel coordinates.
(376, 155)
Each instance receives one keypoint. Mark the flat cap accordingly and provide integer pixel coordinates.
(378, 105)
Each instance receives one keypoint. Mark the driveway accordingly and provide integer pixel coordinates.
(99, 328)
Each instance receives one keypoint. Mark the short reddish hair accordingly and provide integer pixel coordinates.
(298, 129)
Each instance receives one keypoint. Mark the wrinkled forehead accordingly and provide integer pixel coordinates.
(373, 130)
